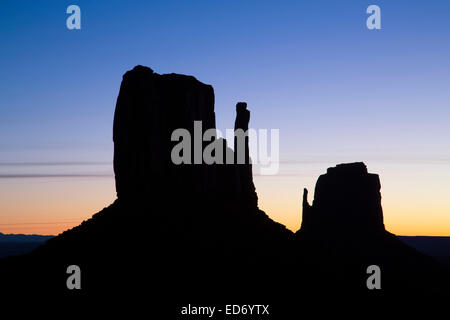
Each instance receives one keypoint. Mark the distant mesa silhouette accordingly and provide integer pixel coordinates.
(196, 233)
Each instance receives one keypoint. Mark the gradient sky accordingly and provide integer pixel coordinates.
(337, 91)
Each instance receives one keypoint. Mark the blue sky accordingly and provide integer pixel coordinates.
(336, 90)
(297, 63)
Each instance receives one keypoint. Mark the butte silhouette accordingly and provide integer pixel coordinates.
(185, 233)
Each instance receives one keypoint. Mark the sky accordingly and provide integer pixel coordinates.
(337, 91)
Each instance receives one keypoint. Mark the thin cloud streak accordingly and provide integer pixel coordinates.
(375, 159)
(54, 163)
(40, 176)
(33, 223)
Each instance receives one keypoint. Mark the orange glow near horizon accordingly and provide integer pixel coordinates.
(33, 206)
(412, 204)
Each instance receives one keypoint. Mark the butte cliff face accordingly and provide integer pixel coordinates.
(149, 108)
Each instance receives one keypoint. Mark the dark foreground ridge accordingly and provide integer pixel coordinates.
(194, 233)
